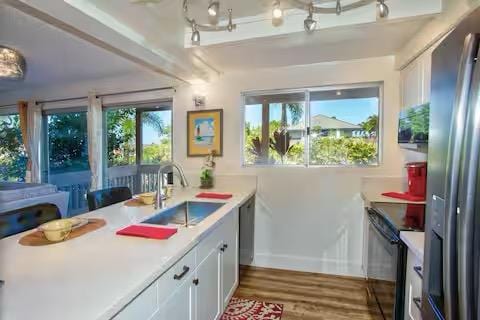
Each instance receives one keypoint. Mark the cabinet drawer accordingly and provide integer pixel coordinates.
(144, 306)
(175, 276)
(213, 238)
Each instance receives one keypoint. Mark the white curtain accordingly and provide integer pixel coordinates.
(34, 136)
(95, 138)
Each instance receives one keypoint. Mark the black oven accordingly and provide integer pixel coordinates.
(387, 256)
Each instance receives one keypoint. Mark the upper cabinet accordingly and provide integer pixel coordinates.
(415, 81)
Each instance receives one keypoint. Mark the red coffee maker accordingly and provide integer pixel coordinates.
(417, 183)
(417, 179)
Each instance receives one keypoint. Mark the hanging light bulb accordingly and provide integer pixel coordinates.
(310, 24)
(277, 11)
(230, 25)
(382, 9)
(338, 9)
(195, 34)
(213, 8)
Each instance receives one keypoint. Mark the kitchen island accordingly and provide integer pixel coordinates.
(98, 274)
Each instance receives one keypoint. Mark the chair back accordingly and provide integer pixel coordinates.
(20, 220)
(106, 197)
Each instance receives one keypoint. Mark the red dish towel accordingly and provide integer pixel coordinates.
(148, 232)
(403, 196)
(213, 195)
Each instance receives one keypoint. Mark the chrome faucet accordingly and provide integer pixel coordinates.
(160, 196)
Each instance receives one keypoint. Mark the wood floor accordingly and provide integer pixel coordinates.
(308, 296)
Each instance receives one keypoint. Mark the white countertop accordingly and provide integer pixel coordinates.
(373, 187)
(95, 275)
(415, 241)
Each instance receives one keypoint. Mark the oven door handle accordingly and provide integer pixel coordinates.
(393, 238)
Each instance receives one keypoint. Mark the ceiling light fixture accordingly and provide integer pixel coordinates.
(309, 23)
(213, 8)
(195, 34)
(197, 27)
(382, 9)
(338, 8)
(277, 11)
(230, 25)
(12, 64)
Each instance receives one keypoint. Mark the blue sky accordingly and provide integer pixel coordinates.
(150, 135)
(350, 110)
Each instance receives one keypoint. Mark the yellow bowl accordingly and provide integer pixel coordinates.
(56, 230)
(147, 198)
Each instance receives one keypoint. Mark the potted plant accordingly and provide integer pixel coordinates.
(206, 175)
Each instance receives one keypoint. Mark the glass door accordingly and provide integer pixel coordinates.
(66, 162)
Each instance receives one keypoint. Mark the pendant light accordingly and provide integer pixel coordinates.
(383, 9)
(338, 8)
(277, 11)
(309, 23)
(213, 8)
(195, 34)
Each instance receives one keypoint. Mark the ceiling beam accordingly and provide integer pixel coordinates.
(180, 65)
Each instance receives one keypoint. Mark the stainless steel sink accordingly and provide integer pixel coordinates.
(194, 211)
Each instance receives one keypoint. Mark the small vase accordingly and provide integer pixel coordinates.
(206, 180)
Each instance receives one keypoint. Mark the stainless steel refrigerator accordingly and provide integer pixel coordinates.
(451, 264)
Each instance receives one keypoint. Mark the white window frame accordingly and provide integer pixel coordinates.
(307, 91)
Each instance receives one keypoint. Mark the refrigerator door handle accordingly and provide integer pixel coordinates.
(467, 193)
(464, 80)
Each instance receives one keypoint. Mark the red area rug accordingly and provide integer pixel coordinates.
(244, 309)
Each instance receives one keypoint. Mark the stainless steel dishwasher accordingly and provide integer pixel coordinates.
(247, 231)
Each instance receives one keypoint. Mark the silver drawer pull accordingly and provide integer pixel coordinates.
(418, 271)
(181, 275)
(418, 303)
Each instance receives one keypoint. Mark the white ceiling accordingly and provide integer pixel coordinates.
(334, 44)
(53, 56)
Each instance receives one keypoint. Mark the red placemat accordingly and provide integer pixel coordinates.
(213, 195)
(403, 196)
(158, 233)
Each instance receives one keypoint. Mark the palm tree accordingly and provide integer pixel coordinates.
(296, 111)
(154, 121)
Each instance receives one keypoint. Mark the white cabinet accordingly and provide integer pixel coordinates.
(230, 255)
(208, 288)
(181, 304)
(413, 287)
(198, 286)
(415, 81)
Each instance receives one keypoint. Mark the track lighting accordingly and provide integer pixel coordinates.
(310, 24)
(195, 34)
(277, 11)
(338, 8)
(382, 9)
(230, 25)
(213, 8)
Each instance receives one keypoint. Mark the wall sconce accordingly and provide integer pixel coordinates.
(199, 101)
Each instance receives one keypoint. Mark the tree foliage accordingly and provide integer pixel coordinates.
(68, 142)
(13, 159)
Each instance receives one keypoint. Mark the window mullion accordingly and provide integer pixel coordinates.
(266, 130)
(306, 148)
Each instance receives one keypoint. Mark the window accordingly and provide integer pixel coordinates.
(320, 127)
(13, 159)
(138, 140)
(139, 135)
(66, 155)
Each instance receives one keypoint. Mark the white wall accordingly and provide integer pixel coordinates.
(307, 218)
(453, 13)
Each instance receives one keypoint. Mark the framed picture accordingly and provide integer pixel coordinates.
(204, 132)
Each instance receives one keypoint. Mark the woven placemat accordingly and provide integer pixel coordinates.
(135, 203)
(37, 238)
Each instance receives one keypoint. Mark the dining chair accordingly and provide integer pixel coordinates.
(20, 220)
(106, 197)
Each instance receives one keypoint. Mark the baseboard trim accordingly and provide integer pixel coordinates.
(308, 264)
